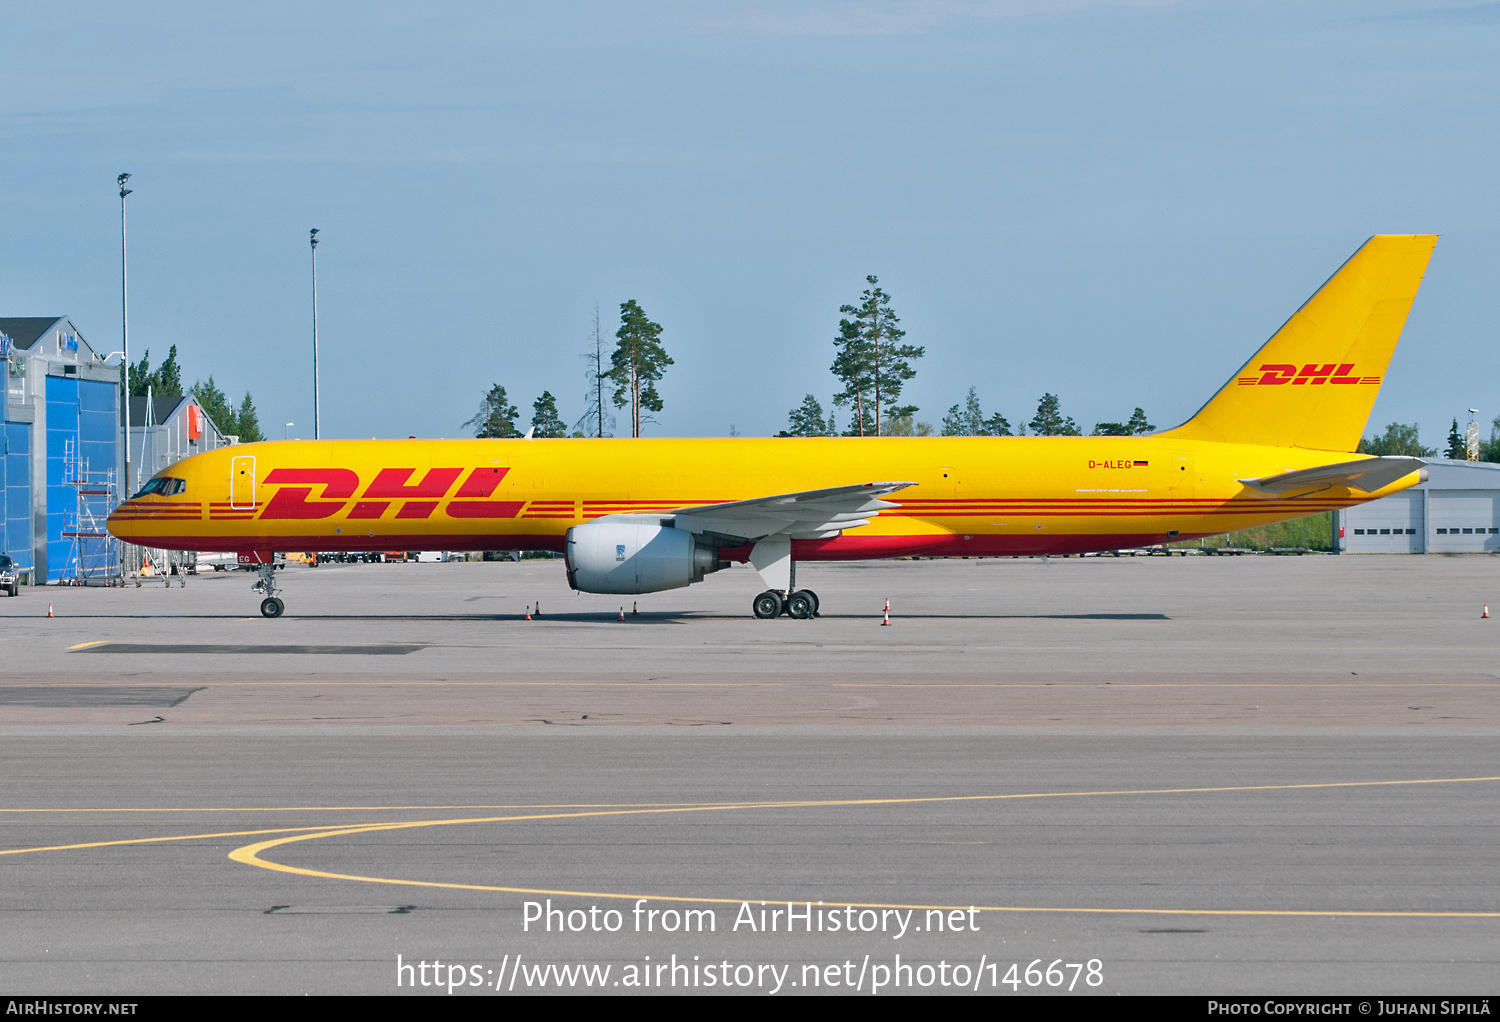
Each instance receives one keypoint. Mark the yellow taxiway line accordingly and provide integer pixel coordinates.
(251, 854)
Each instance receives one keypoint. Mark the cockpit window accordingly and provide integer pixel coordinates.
(162, 486)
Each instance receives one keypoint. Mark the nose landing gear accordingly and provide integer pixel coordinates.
(271, 606)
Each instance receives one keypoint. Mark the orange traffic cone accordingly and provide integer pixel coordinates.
(622, 613)
(49, 610)
(1486, 611)
(887, 618)
(538, 608)
(635, 607)
(528, 612)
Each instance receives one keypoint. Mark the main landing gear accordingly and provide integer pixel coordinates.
(271, 606)
(801, 604)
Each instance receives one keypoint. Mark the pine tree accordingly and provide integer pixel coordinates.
(970, 421)
(967, 421)
(1456, 447)
(873, 362)
(545, 422)
(638, 361)
(807, 420)
(248, 423)
(1138, 424)
(853, 366)
(496, 418)
(996, 425)
(166, 381)
(140, 375)
(1048, 420)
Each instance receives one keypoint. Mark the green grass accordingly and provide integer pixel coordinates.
(1312, 533)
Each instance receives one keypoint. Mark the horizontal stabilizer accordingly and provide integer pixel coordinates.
(1366, 475)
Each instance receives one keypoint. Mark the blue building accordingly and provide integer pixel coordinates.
(63, 459)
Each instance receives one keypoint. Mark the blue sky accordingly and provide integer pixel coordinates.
(1115, 202)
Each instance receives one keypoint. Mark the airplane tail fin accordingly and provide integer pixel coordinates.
(1312, 385)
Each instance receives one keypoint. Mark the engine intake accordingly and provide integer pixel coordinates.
(613, 556)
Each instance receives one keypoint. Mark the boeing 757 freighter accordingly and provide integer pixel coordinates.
(639, 516)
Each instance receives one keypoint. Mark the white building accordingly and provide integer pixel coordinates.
(1457, 511)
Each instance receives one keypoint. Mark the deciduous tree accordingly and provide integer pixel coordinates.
(1489, 450)
(1398, 439)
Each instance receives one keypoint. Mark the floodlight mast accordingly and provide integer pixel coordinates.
(125, 328)
(312, 237)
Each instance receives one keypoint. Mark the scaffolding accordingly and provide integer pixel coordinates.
(93, 554)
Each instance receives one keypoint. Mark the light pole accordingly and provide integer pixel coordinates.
(125, 328)
(286, 430)
(312, 237)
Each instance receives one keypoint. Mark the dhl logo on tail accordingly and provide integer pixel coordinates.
(1275, 375)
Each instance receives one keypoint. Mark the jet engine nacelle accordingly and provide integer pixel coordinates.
(607, 556)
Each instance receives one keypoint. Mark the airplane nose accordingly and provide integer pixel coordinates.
(115, 522)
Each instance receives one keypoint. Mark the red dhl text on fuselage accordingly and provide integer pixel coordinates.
(973, 495)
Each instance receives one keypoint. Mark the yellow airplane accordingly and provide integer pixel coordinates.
(640, 516)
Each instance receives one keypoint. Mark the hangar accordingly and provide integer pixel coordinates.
(1456, 511)
(63, 465)
(62, 449)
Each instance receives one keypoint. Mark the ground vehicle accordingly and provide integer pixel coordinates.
(10, 578)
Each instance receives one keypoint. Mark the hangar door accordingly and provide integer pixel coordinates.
(1464, 521)
(1391, 525)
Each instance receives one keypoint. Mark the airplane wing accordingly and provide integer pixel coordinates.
(810, 514)
(1367, 475)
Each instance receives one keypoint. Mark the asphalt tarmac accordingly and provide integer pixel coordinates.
(1186, 775)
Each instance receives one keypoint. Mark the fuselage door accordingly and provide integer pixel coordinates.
(242, 482)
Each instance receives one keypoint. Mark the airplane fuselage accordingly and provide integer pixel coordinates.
(976, 496)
